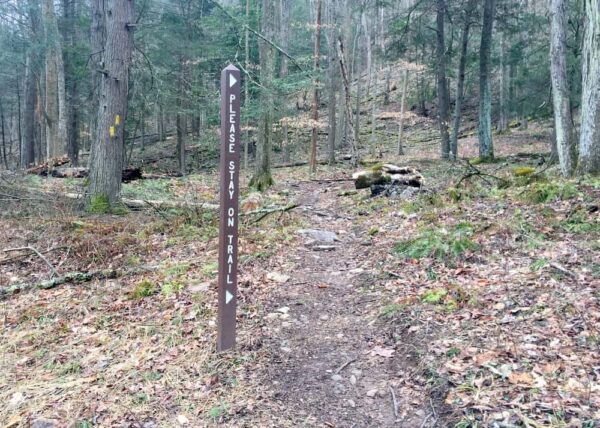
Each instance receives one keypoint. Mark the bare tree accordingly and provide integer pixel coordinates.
(315, 102)
(262, 178)
(55, 110)
(107, 150)
(589, 143)
(460, 82)
(486, 148)
(565, 139)
(442, 87)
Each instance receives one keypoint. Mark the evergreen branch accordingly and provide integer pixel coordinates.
(258, 34)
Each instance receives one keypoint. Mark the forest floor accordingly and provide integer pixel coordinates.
(471, 305)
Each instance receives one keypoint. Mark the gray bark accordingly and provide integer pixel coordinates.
(28, 147)
(563, 128)
(400, 150)
(333, 87)
(460, 82)
(56, 114)
(97, 42)
(486, 148)
(589, 143)
(503, 110)
(315, 102)
(262, 178)
(107, 165)
(442, 87)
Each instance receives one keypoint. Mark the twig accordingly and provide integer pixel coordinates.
(159, 212)
(433, 410)
(393, 274)
(265, 212)
(563, 270)
(40, 255)
(475, 172)
(8, 259)
(343, 366)
(394, 402)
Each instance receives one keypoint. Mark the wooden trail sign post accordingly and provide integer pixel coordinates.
(229, 206)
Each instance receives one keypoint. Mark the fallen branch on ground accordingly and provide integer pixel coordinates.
(266, 211)
(71, 277)
(142, 203)
(19, 256)
(475, 172)
(40, 255)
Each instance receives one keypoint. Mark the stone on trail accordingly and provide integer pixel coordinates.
(319, 235)
(372, 393)
(44, 423)
(278, 277)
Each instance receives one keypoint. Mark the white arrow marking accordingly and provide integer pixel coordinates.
(232, 80)
(228, 297)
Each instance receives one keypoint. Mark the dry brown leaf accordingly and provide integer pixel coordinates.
(485, 357)
(521, 378)
(382, 352)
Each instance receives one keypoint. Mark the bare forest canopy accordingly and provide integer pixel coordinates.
(101, 81)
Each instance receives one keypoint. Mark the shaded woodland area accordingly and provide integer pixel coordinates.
(419, 226)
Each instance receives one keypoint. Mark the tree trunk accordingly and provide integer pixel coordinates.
(400, 150)
(315, 103)
(460, 82)
(442, 87)
(247, 84)
(107, 151)
(347, 102)
(19, 121)
(486, 148)
(3, 135)
(563, 128)
(262, 178)
(181, 122)
(333, 86)
(97, 42)
(503, 110)
(589, 143)
(28, 146)
(70, 36)
(56, 116)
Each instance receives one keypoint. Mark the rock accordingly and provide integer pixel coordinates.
(353, 380)
(319, 235)
(409, 192)
(44, 423)
(351, 403)
(278, 277)
(336, 378)
(386, 176)
(199, 288)
(15, 400)
(372, 393)
(182, 420)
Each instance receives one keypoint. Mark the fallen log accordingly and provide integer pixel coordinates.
(388, 174)
(43, 168)
(72, 277)
(128, 174)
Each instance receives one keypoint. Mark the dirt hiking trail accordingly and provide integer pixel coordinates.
(332, 361)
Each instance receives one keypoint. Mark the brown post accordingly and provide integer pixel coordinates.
(229, 194)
